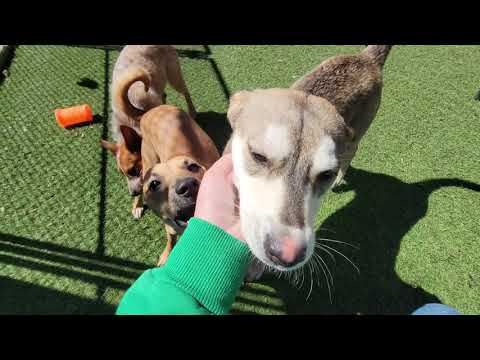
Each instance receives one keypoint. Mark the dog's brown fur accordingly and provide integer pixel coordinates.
(172, 142)
(353, 84)
(140, 76)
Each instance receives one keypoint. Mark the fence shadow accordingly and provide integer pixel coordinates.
(19, 297)
(93, 268)
(5, 63)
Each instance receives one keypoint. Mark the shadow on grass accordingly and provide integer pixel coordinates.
(100, 250)
(5, 65)
(376, 220)
(88, 83)
(20, 298)
(216, 126)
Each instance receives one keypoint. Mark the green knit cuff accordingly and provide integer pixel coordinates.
(209, 264)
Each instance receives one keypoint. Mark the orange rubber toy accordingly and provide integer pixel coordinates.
(75, 115)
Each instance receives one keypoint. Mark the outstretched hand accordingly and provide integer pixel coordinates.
(216, 199)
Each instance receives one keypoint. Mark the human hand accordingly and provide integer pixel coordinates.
(217, 198)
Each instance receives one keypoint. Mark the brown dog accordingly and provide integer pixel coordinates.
(176, 153)
(140, 76)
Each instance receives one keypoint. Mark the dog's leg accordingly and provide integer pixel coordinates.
(171, 241)
(345, 164)
(339, 181)
(175, 78)
(137, 208)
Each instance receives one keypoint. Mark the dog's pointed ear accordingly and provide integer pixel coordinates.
(109, 146)
(133, 141)
(237, 101)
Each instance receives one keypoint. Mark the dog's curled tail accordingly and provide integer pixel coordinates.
(120, 95)
(378, 53)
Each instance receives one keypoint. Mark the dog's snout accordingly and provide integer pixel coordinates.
(187, 187)
(285, 250)
(135, 187)
(135, 193)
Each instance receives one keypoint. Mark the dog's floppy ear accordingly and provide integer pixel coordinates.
(237, 101)
(133, 141)
(109, 146)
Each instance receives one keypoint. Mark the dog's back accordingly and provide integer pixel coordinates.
(352, 83)
(169, 131)
(151, 60)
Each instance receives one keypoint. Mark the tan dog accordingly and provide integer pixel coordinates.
(176, 153)
(140, 76)
(290, 145)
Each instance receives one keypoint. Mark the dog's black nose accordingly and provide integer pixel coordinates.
(285, 251)
(187, 187)
(135, 193)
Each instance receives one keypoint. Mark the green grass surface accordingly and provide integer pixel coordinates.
(68, 243)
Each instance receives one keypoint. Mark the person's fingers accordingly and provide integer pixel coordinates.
(224, 164)
(222, 167)
(229, 177)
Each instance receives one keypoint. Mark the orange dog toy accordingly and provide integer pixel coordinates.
(74, 115)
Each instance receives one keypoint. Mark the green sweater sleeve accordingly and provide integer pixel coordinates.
(202, 276)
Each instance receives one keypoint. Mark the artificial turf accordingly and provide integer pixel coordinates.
(68, 243)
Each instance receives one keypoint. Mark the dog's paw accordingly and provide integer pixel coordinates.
(339, 185)
(255, 271)
(339, 181)
(137, 212)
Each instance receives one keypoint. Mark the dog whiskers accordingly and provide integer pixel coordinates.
(316, 267)
(294, 276)
(338, 252)
(329, 273)
(329, 230)
(328, 252)
(328, 283)
(317, 257)
(303, 276)
(311, 280)
(337, 241)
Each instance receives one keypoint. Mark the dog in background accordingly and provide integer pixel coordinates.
(140, 76)
(176, 153)
(290, 146)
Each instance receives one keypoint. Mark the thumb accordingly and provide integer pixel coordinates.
(221, 168)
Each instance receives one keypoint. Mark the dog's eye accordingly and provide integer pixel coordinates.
(154, 185)
(259, 158)
(134, 172)
(326, 176)
(193, 168)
